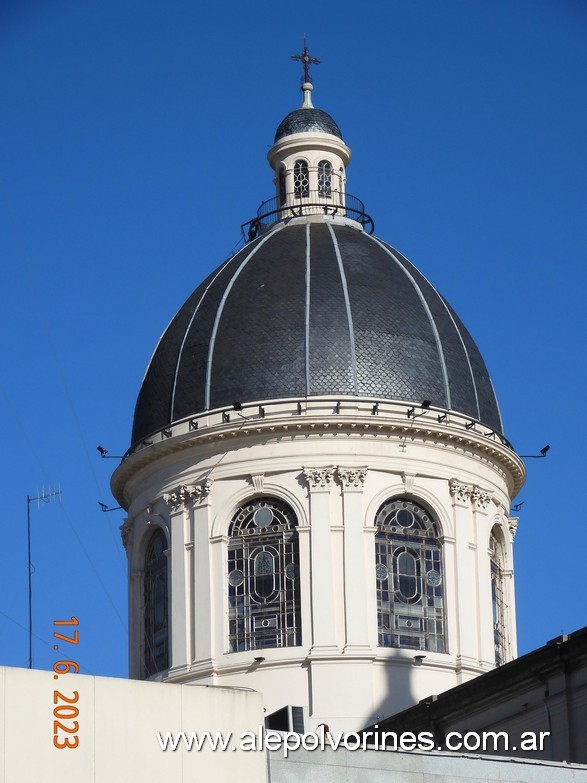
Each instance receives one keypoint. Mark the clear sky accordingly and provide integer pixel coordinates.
(134, 137)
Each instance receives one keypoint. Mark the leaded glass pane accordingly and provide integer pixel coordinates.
(301, 179)
(263, 577)
(156, 640)
(325, 178)
(408, 570)
(498, 599)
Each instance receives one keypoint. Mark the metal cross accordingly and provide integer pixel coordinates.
(307, 60)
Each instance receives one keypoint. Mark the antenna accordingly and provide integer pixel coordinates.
(51, 495)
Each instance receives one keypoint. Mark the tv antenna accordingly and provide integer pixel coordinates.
(50, 495)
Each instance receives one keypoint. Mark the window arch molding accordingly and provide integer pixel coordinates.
(422, 497)
(222, 518)
(142, 531)
(263, 575)
(410, 576)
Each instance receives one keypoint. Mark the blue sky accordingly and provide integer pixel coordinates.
(134, 140)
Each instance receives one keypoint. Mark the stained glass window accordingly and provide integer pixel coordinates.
(325, 178)
(263, 577)
(409, 578)
(496, 556)
(301, 179)
(156, 653)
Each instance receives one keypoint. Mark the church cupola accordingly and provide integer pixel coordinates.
(318, 486)
(309, 157)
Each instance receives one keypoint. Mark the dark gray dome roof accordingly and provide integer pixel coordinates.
(314, 309)
(304, 120)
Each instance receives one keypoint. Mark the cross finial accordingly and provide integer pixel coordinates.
(307, 61)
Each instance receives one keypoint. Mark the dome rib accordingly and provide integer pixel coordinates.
(345, 291)
(428, 313)
(458, 331)
(311, 308)
(307, 310)
(187, 331)
(219, 314)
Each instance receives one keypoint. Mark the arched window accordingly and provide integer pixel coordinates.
(263, 577)
(156, 644)
(325, 178)
(282, 194)
(408, 573)
(496, 557)
(301, 179)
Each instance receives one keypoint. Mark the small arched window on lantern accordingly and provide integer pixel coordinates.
(282, 193)
(409, 578)
(301, 179)
(498, 601)
(263, 577)
(156, 639)
(325, 179)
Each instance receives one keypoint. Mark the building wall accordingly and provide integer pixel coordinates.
(117, 724)
(335, 476)
(342, 766)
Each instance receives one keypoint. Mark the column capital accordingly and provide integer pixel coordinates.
(126, 530)
(319, 478)
(185, 492)
(351, 478)
(469, 494)
(513, 526)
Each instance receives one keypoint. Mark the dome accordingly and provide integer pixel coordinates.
(307, 120)
(315, 306)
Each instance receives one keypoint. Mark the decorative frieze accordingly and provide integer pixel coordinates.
(469, 493)
(185, 492)
(351, 477)
(319, 477)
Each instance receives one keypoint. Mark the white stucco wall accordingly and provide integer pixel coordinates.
(192, 483)
(117, 724)
(343, 766)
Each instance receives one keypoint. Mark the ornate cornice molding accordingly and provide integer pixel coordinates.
(474, 444)
(186, 492)
(319, 478)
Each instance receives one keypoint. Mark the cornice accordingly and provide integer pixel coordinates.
(477, 442)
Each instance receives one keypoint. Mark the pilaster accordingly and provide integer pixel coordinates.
(352, 481)
(319, 482)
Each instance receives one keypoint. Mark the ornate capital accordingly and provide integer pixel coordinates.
(184, 492)
(469, 493)
(460, 492)
(126, 533)
(513, 526)
(351, 477)
(319, 477)
(480, 498)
